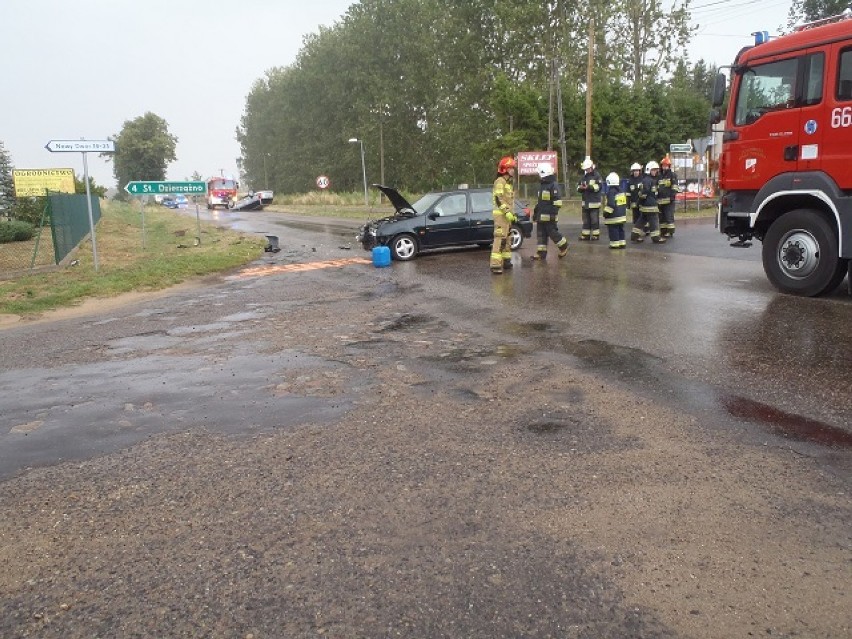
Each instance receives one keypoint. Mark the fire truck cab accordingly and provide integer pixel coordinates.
(785, 168)
(221, 191)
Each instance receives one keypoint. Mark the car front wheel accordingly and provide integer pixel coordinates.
(403, 247)
(516, 238)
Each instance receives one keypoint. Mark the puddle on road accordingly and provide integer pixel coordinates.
(646, 373)
(404, 321)
(626, 362)
(531, 329)
(786, 424)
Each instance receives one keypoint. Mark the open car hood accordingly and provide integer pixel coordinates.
(402, 206)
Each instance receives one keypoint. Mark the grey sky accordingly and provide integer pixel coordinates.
(80, 69)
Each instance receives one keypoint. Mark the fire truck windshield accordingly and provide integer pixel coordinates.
(221, 184)
(765, 87)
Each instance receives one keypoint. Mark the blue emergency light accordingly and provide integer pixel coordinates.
(760, 37)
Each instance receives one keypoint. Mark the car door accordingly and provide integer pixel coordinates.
(481, 217)
(447, 221)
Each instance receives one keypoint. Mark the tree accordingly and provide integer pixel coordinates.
(94, 189)
(143, 149)
(440, 89)
(810, 10)
(7, 184)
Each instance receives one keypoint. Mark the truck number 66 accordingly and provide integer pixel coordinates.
(841, 117)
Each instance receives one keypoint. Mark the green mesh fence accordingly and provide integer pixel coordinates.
(65, 220)
(69, 217)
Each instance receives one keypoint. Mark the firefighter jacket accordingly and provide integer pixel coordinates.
(666, 186)
(590, 186)
(648, 195)
(549, 200)
(615, 209)
(633, 183)
(503, 196)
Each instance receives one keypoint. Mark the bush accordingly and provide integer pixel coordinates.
(29, 209)
(16, 231)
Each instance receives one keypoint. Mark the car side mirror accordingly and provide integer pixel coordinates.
(432, 216)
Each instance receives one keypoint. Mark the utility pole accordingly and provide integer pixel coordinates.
(589, 71)
(550, 105)
(562, 151)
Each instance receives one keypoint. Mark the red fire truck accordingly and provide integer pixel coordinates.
(221, 191)
(785, 169)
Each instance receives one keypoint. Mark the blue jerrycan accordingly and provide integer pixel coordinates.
(381, 256)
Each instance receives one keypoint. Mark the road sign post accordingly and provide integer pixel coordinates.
(84, 147)
(167, 188)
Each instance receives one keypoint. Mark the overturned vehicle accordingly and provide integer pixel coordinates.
(437, 220)
(254, 201)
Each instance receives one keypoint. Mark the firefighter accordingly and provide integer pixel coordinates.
(633, 183)
(615, 212)
(667, 189)
(590, 187)
(546, 211)
(649, 213)
(504, 216)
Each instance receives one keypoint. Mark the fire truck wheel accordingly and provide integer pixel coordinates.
(800, 254)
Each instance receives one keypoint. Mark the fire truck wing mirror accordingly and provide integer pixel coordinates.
(715, 116)
(719, 87)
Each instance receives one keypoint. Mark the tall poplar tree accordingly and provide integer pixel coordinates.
(7, 184)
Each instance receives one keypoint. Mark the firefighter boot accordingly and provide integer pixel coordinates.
(540, 256)
(507, 264)
(563, 250)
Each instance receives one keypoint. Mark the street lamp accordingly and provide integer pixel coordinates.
(363, 168)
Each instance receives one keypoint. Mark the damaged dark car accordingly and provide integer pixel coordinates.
(437, 220)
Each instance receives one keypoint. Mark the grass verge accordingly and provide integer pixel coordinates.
(165, 256)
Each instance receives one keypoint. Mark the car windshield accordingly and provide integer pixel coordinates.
(425, 202)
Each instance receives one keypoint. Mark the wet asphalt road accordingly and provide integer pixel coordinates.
(693, 320)
(382, 485)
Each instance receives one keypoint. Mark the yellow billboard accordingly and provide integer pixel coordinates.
(36, 182)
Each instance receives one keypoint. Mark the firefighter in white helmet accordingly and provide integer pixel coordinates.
(546, 213)
(649, 212)
(590, 186)
(615, 212)
(633, 183)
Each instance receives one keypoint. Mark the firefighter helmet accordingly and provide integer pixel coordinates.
(587, 164)
(506, 163)
(612, 179)
(545, 169)
(665, 161)
(635, 167)
(651, 166)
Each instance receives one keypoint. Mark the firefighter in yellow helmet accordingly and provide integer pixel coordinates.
(503, 196)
